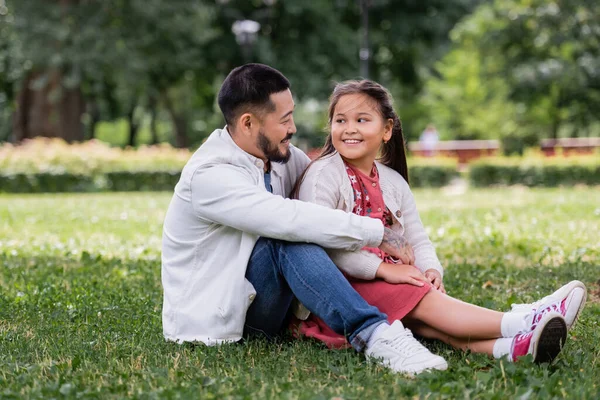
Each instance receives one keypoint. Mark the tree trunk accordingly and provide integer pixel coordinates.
(179, 123)
(133, 127)
(555, 94)
(20, 121)
(181, 140)
(51, 110)
(152, 105)
(94, 114)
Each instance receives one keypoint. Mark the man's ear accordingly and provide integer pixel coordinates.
(246, 123)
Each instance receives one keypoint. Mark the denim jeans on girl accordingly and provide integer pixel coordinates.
(280, 270)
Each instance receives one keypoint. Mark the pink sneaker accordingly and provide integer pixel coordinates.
(567, 301)
(544, 340)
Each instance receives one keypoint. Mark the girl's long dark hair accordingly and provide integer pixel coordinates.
(393, 152)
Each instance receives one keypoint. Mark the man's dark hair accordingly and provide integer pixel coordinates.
(248, 88)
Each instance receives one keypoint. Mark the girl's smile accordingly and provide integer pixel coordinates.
(358, 130)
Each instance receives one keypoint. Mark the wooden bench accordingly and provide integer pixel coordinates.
(584, 145)
(464, 150)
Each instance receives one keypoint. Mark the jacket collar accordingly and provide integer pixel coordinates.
(384, 182)
(226, 137)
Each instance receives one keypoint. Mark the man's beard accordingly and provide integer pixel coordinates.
(271, 150)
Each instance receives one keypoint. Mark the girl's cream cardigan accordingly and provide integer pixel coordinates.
(326, 183)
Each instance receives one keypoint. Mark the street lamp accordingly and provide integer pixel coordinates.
(245, 35)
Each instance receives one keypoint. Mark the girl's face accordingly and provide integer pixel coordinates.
(358, 130)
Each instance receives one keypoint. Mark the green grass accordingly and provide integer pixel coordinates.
(80, 303)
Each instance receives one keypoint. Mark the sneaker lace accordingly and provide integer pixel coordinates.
(529, 306)
(535, 315)
(406, 343)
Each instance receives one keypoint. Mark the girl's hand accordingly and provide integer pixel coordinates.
(400, 273)
(434, 276)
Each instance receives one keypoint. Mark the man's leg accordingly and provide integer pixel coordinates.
(279, 270)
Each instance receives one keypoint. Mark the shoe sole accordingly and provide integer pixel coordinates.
(572, 286)
(550, 339)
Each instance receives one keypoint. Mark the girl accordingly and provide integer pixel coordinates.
(347, 176)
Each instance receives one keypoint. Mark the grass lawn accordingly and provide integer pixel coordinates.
(80, 304)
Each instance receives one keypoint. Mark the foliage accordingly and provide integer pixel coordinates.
(534, 171)
(11, 65)
(51, 165)
(81, 298)
(520, 70)
(55, 156)
(121, 54)
(437, 172)
(133, 58)
(465, 105)
(552, 55)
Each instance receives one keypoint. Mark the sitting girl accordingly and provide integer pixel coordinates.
(347, 176)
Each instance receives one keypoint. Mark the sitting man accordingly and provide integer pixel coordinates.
(237, 250)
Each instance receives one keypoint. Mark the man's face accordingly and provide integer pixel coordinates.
(277, 128)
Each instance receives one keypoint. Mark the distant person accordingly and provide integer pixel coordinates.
(429, 139)
(237, 250)
(348, 177)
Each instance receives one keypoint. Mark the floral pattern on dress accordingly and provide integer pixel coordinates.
(368, 202)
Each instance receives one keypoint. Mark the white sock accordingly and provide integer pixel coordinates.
(502, 347)
(513, 323)
(382, 327)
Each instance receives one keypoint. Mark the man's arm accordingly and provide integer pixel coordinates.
(227, 195)
(321, 186)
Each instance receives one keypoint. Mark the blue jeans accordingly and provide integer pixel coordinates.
(280, 271)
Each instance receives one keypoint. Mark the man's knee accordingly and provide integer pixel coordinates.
(302, 248)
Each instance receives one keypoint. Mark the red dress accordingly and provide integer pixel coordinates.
(394, 300)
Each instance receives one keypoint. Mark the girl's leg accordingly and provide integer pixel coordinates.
(485, 346)
(456, 318)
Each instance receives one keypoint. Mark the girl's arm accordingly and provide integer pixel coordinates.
(414, 232)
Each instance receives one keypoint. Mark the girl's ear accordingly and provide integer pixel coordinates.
(388, 129)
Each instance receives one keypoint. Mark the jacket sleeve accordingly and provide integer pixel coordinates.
(228, 195)
(415, 234)
(321, 186)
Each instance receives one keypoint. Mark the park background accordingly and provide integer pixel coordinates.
(101, 99)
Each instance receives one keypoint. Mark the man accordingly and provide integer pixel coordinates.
(237, 251)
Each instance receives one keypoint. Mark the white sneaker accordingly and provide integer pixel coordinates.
(567, 301)
(396, 348)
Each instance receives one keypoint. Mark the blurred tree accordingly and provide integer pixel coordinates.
(97, 60)
(462, 104)
(317, 43)
(551, 53)
(165, 43)
(407, 38)
(519, 70)
(11, 67)
(51, 37)
(110, 54)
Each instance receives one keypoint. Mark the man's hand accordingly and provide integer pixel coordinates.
(400, 273)
(397, 246)
(434, 276)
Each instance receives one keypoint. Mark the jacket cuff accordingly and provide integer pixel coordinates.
(370, 267)
(438, 268)
(373, 232)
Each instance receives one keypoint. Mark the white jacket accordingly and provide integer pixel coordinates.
(218, 211)
(326, 183)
